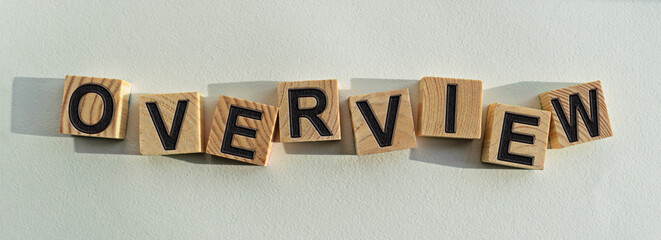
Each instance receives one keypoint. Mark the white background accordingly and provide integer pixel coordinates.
(56, 186)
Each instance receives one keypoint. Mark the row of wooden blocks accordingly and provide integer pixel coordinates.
(308, 111)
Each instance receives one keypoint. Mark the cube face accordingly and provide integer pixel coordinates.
(158, 113)
(450, 108)
(242, 130)
(579, 114)
(516, 136)
(316, 114)
(95, 107)
(375, 115)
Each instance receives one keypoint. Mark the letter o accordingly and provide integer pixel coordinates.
(108, 108)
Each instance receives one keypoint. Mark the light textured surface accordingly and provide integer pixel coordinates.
(54, 186)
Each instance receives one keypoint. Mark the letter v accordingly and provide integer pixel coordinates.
(383, 135)
(169, 141)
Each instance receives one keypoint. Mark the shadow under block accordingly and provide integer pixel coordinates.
(95, 107)
(382, 122)
(242, 130)
(309, 111)
(516, 136)
(578, 114)
(171, 123)
(450, 108)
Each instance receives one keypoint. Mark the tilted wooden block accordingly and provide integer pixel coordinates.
(516, 136)
(568, 105)
(382, 122)
(95, 107)
(450, 108)
(171, 123)
(309, 111)
(242, 130)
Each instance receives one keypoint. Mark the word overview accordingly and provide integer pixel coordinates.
(308, 111)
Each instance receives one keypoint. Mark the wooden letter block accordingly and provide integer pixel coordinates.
(95, 107)
(382, 122)
(171, 123)
(309, 111)
(450, 108)
(568, 105)
(516, 136)
(242, 130)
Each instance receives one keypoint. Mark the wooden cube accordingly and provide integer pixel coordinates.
(450, 108)
(382, 122)
(579, 114)
(309, 111)
(516, 136)
(95, 107)
(171, 123)
(242, 130)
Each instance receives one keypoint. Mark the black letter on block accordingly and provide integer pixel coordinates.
(508, 136)
(231, 128)
(169, 141)
(108, 108)
(575, 104)
(451, 109)
(383, 138)
(295, 113)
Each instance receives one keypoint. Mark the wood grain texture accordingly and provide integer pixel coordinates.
(404, 134)
(261, 145)
(330, 116)
(433, 102)
(494, 131)
(557, 135)
(91, 106)
(190, 138)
